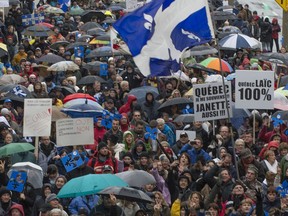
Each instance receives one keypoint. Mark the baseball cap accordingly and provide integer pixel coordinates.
(182, 134)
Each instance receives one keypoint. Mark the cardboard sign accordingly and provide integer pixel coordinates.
(78, 131)
(37, 117)
(209, 101)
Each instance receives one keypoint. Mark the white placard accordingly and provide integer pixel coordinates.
(78, 131)
(37, 117)
(254, 89)
(209, 101)
(191, 134)
(131, 5)
(4, 3)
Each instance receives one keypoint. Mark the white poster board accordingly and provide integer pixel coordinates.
(37, 117)
(254, 89)
(78, 131)
(209, 101)
(4, 3)
(191, 134)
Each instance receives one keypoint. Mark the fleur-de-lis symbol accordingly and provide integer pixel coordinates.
(187, 110)
(148, 25)
(277, 121)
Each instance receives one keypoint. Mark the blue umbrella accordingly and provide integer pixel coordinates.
(84, 111)
(238, 116)
(237, 41)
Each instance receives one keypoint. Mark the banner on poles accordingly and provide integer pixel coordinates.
(78, 131)
(37, 117)
(209, 101)
(254, 89)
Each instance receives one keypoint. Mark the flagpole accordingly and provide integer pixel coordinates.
(227, 107)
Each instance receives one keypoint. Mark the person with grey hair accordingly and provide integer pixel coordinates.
(167, 131)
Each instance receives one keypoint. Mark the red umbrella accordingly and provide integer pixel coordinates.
(48, 25)
(77, 96)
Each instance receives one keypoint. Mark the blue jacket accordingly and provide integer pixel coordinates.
(81, 202)
(194, 154)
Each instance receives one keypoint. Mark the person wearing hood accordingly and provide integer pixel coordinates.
(16, 210)
(132, 76)
(275, 34)
(270, 163)
(266, 34)
(138, 149)
(127, 107)
(267, 136)
(40, 199)
(271, 199)
(124, 122)
(5, 201)
(167, 131)
(150, 106)
(128, 141)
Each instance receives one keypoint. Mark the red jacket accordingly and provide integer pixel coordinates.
(111, 161)
(126, 108)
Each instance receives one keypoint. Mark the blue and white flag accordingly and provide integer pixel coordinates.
(17, 181)
(161, 30)
(72, 161)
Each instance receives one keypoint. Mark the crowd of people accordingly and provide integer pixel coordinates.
(225, 170)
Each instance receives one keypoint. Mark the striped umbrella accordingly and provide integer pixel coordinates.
(237, 41)
(214, 63)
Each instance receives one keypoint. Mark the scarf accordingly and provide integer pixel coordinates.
(272, 167)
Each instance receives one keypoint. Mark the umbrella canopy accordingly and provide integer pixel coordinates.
(180, 102)
(141, 92)
(57, 114)
(57, 44)
(283, 115)
(278, 58)
(137, 178)
(202, 50)
(238, 115)
(11, 79)
(48, 25)
(115, 8)
(38, 31)
(14, 2)
(76, 44)
(80, 101)
(90, 80)
(126, 193)
(104, 37)
(237, 41)
(93, 66)
(15, 92)
(96, 31)
(283, 90)
(64, 66)
(102, 52)
(78, 96)
(84, 38)
(3, 49)
(223, 15)
(225, 7)
(200, 67)
(90, 25)
(227, 30)
(84, 111)
(109, 20)
(34, 173)
(76, 11)
(87, 15)
(53, 10)
(280, 101)
(214, 63)
(14, 148)
(50, 58)
(185, 118)
(89, 184)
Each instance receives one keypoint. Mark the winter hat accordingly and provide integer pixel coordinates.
(127, 154)
(144, 154)
(19, 207)
(4, 190)
(5, 111)
(101, 145)
(51, 197)
(184, 177)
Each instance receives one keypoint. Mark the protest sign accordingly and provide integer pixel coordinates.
(79, 51)
(32, 19)
(78, 131)
(17, 181)
(254, 89)
(209, 101)
(4, 3)
(191, 134)
(72, 161)
(37, 117)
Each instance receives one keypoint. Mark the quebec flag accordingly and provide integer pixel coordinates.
(161, 30)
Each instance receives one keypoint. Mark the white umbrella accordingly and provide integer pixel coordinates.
(63, 66)
(11, 79)
(237, 41)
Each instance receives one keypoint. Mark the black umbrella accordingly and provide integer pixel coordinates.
(96, 31)
(84, 38)
(90, 25)
(103, 52)
(283, 81)
(90, 80)
(76, 44)
(93, 66)
(50, 58)
(126, 193)
(14, 2)
(38, 31)
(278, 58)
(57, 44)
(15, 92)
(67, 90)
(223, 15)
(109, 20)
(185, 118)
(282, 114)
(180, 102)
(202, 50)
(87, 15)
(104, 37)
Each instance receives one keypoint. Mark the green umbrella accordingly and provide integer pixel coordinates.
(89, 184)
(14, 148)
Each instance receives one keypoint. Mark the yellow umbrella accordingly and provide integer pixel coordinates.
(3, 50)
(189, 93)
(95, 41)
